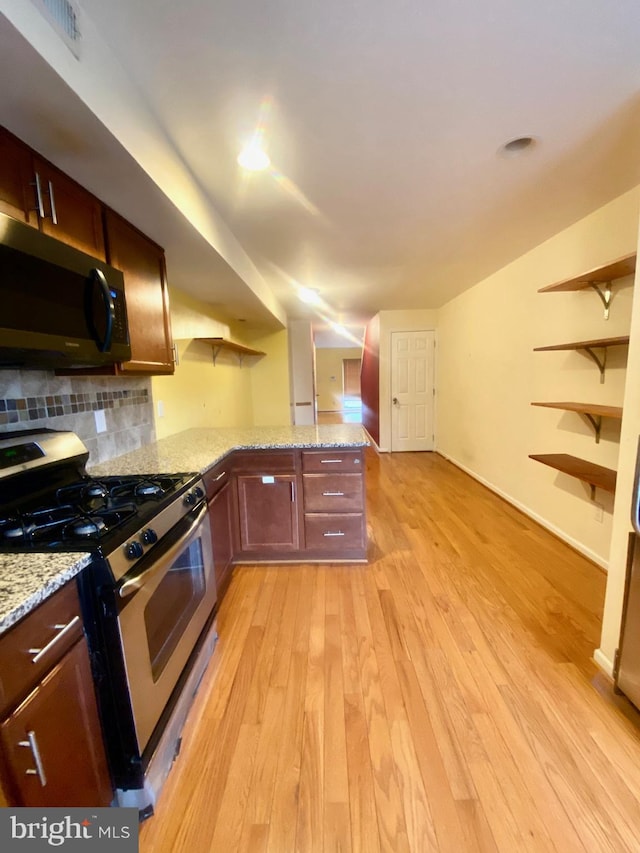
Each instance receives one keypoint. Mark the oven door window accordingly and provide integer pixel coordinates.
(173, 603)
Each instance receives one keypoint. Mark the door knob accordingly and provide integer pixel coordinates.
(396, 402)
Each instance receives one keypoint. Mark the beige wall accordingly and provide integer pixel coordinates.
(396, 321)
(488, 375)
(225, 394)
(329, 385)
(270, 379)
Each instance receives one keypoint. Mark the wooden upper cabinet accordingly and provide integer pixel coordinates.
(38, 193)
(142, 263)
(72, 214)
(34, 191)
(17, 180)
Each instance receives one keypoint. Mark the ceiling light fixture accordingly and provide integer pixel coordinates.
(309, 296)
(340, 330)
(253, 158)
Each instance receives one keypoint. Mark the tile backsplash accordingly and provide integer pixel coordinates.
(31, 399)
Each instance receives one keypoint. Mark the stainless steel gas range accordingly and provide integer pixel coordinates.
(148, 596)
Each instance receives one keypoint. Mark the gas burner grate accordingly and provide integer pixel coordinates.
(60, 525)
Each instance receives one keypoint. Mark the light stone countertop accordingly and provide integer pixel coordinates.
(197, 450)
(26, 580)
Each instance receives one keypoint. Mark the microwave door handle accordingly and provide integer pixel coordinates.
(137, 582)
(97, 277)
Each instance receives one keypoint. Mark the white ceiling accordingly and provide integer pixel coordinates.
(384, 125)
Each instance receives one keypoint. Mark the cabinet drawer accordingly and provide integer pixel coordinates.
(333, 492)
(335, 531)
(217, 478)
(53, 627)
(265, 461)
(332, 461)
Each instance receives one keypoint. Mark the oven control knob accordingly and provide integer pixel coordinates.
(198, 492)
(189, 499)
(133, 550)
(149, 536)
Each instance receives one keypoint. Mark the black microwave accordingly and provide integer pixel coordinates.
(58, 306)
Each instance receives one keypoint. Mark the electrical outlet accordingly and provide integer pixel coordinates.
(160, 409)
(598, 512)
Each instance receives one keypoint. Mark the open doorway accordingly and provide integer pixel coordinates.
(338, 384)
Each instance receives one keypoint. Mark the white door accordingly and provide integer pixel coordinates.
(412, 389)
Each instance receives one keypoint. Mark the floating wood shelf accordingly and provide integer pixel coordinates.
(589, 347)
(598, 279)
(592, 411)
(598, 342)
(218, 344)
(595, 475)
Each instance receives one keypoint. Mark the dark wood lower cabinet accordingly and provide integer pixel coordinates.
(268, 513)
(221, 517)
(52, 743)
(296, 505)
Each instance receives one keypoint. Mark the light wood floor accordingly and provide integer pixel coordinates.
(441, 698)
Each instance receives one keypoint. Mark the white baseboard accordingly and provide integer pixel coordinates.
(373, 442)
(603, 662)
(557, 531)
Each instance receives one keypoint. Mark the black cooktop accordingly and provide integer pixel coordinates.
(48, 501)
(85, 510)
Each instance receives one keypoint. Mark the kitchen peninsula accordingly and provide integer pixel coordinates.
(275, 493)
(26, 580)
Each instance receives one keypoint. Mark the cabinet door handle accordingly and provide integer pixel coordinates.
(40, 205)
(32, 744)
(220, 476)
(62, 630)
(293, 492)
(333, 494)
(339, 533)
(330, 461)
(52, 203)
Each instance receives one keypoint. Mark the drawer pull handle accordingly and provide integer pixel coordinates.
(38, 654)
(32, 744)
(220, 476)
(333, 494)
(339, 533)
(330, 461)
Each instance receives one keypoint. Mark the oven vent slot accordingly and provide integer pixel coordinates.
(64, 17)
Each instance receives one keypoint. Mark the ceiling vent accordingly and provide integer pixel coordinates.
(64, 17)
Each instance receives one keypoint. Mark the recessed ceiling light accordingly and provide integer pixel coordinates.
(253, 158)
(517, 146)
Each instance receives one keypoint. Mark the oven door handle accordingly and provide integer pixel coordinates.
(137, 582)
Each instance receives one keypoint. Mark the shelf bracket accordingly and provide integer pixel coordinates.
(605, 295)
(215, 351)
(602, 363)
(596, 423)
(592, 489)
